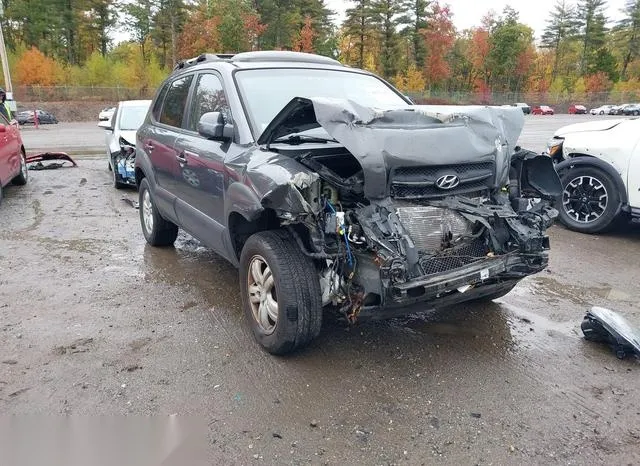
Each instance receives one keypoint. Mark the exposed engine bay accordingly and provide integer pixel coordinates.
(389, 225)
(123, 164)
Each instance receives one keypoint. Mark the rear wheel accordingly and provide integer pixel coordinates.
(23, 176)
(280, 292)
(157, 231)
(589, 201)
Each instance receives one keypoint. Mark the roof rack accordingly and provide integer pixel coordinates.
(203, 58)
(260, 56)
(284, 55)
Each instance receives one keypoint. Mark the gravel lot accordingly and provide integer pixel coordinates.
(93, 321)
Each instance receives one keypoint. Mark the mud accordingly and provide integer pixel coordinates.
(93, 321)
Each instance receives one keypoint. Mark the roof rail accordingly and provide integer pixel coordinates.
(203, 58)
(277, 55)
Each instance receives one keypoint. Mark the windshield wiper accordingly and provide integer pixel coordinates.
(297, 139)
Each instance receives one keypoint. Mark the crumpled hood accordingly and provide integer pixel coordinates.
(412, 135)
(601, 125)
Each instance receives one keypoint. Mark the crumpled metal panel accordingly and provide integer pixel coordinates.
(430, 227)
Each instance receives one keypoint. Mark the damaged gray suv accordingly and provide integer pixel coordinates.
(328, 189)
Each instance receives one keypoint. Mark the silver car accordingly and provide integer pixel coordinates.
(120, 138)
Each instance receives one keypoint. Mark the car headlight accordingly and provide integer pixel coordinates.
(554, 148)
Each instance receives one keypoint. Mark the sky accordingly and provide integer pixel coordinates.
(467, 13)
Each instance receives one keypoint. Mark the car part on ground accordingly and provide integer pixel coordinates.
(35, 161)
(606, 326)
(384, 208)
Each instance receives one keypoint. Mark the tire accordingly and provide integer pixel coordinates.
(158, 231)
(23, 176)
(636, 113)
(601, 112)
(295, 289)
(114, 176)
(598, 213)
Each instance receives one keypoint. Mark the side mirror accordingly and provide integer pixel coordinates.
(105, 124)
(3, 128)
(212, 125)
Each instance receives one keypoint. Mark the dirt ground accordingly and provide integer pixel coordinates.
(94, 321)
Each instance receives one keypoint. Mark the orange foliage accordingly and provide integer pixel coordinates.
(304, 42)
(253, 29)
(439, 37)
(34, 68)
(598, 82)
(200, 36)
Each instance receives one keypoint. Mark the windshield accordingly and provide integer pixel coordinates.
(266, 91)
(131, 118)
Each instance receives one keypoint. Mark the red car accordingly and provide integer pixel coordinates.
(13, 160)
(577, 110)
(542, 110)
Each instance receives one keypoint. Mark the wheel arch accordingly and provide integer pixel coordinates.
(582, 160)
(240, 227)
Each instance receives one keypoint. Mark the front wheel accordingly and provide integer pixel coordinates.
(280, 292)
(157, 231)
(23, 176)
(589, 201)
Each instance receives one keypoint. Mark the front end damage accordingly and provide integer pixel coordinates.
(415, 208)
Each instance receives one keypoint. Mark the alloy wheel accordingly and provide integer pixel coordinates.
(585, 199)
(147, 211)
(262, 294)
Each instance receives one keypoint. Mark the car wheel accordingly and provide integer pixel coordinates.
(589, 201)
(280, 292)
(636, 113)
(23, 176)
(157, 231)
(116, 181)
(601, 112)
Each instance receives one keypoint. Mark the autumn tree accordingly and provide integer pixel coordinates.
(201, 36)
(138, 21)
(592, 23)
(34, 68)
(415, 15)
(304, 42)
(167, 24)
(359, 27)
(561, 28)
(629, 28)
(439, 35)
(386, 18)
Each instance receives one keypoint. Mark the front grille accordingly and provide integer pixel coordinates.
(455, 258)
(420, 181)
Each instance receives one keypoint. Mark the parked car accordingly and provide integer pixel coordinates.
(524, 107)
(314, 193)
(120, 139)
(542, 110)
(577, 110)
(602, 110)
(631, 109)
(618, 109)
(599, 165)
(26, 117)
(13, 159)
(106, 113)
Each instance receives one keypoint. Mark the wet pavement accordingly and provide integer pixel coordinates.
(93, 321)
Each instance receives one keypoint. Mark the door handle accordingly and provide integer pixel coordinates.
(181, 158)
(148, 146)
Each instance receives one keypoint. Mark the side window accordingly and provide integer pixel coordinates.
(172, 113)
(157, 105)
(209, 97)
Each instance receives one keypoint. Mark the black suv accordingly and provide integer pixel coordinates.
(330, 190)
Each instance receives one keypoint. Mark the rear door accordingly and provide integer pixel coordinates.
(158, 140)
(9, 151)
(201, 185)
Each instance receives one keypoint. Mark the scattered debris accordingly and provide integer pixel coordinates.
(605, 326)
(35, 161)
(10, 362)
(131, 202)
(78, 346)
(131, 368)
(313, 423)
(18, 392)
(276, 435)
(476, 415)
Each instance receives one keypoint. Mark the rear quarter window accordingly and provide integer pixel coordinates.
(175, 101)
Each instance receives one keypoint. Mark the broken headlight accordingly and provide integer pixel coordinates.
(554, 149)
